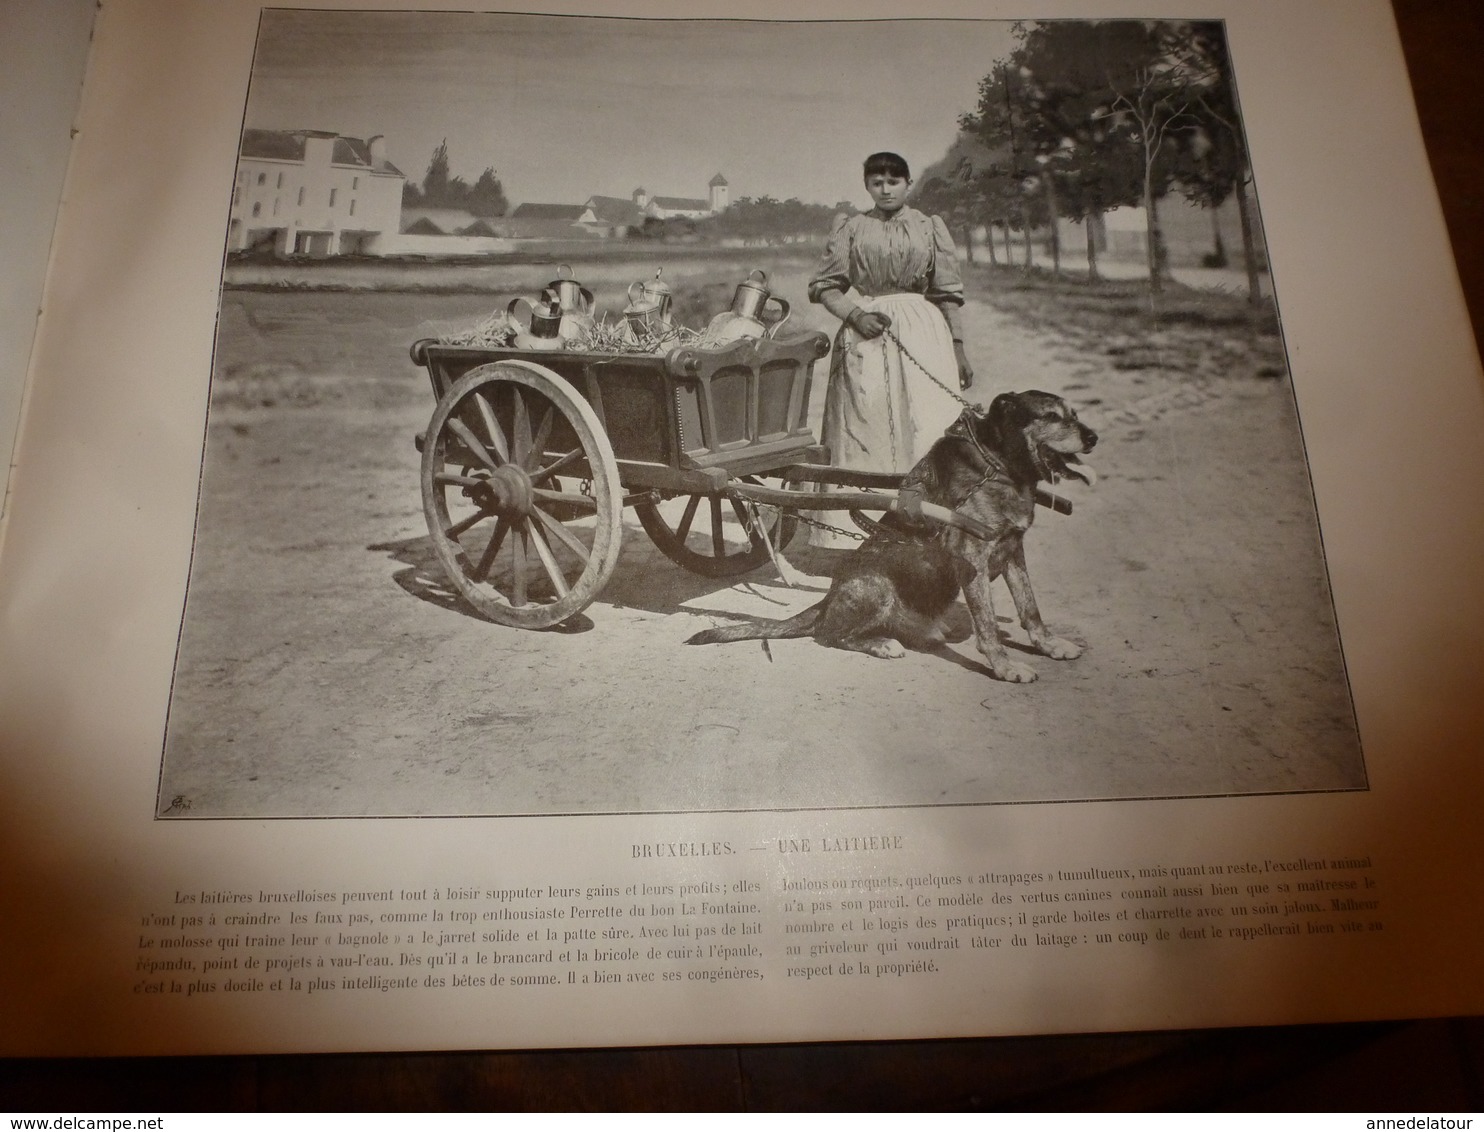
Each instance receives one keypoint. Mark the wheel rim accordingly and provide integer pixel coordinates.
(713, 535)
(521, 494)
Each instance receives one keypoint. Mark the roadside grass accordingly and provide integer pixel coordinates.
(1181, 329)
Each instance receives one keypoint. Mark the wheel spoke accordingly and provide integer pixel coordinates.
(718, 544)
(472, 442)
(481, 572)
(685, 520)
(463, 525)
(492, 426)
(543, 552)
(543, 434)
(556, 465)
(566, 537)
(520, 430)
(518, 550)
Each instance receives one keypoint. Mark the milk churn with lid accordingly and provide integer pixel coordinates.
(576, 304)
(648, 311)
(542, 332)
(745, 319)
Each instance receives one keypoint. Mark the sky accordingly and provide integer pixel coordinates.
(566, 107)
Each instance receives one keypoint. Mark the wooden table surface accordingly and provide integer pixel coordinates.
(1400, 1066)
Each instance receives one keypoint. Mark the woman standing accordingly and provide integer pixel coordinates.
(891, 276)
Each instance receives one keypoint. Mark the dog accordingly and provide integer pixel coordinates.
(893, 592)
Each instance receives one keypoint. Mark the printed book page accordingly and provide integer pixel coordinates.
(456, 593)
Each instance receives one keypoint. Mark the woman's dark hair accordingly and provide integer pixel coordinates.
(889, 164)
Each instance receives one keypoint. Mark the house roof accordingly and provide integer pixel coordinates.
(422, 226)
(716, 180)
(681, 204)
(615, 210)
(547, 211)
(444, 219)
(288, 145)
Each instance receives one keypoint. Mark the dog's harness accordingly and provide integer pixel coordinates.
(990, 466)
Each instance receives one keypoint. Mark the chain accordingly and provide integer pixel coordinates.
(955, 394)
(891, 421)
(821, 525)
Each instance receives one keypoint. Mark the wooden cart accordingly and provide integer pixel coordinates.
(531, 456)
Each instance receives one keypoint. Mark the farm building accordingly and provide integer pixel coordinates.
(313, 192)
(692, 208)
(534, 221)
(611, 217)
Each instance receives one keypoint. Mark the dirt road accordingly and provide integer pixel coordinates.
(325, 669)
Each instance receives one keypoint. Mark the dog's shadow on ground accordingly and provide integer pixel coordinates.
(645, 579)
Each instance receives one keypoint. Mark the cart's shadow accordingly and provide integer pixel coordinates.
(645, 579)
(424, 579)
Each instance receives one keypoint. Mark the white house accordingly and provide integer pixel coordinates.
(663, 208)
(313, 192)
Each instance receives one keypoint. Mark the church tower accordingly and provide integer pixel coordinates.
(719, 190)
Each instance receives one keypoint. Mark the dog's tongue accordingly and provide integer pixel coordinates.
(1083, 472)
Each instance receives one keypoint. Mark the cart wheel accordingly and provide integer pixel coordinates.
(521, 494)
(715, 536)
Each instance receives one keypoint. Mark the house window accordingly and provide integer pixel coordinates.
(257, 208)
(280, 181)
(352, 206)
(355, 182)
(236, 197)
(262, 178)
(275, 206)
(301, 194)
(332, 198)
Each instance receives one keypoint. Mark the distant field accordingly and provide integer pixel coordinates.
(319, 338)
(610, 266)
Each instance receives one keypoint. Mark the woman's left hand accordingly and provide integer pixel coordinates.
(965, 370)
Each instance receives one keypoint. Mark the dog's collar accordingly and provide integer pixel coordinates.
(990, 465)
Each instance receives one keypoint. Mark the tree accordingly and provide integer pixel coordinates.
(1007, 179)
(951, 197)
(1090, 115)
(1217, 166)
(441, 189)
(768, 220)
(487, 197)
(435, 180)
(1085, 158)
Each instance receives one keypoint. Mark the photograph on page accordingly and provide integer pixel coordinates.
(545, 342)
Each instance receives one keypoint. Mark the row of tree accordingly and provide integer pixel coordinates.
(1084, 117)
(762, 219)
(485, 197)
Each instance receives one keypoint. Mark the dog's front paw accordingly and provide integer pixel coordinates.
(1059, 648)
(1010, 671)
(1016, 673)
